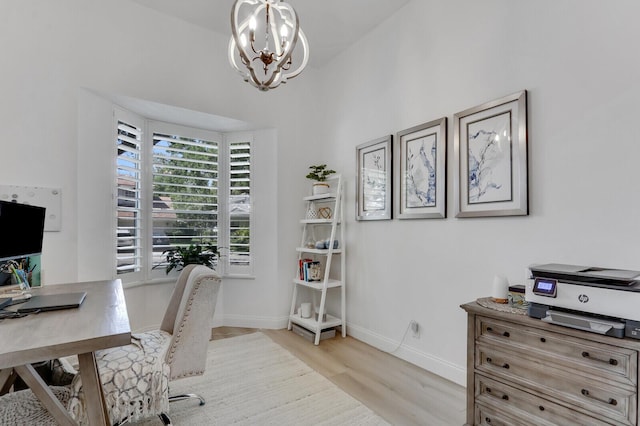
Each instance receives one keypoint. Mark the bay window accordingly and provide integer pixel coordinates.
(178, 186)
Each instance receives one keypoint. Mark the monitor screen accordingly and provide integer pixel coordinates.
(21, 230)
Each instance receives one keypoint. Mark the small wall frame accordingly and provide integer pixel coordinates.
(373, 186)
(420, 155)
(49, 198)
(490, 150)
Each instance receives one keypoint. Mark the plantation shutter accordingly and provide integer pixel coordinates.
(239, 207)
(179, 186)
(129, 202)
(185, 192)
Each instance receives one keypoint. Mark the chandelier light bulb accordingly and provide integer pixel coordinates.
(285, 53)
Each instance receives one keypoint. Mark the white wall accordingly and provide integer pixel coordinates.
(436, 58)
(58, 55)
(431, 59)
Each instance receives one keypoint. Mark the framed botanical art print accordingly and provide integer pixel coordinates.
(420, 155)
(490, 148)
(373, 188)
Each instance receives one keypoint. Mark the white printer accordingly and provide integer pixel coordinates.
(600, 300)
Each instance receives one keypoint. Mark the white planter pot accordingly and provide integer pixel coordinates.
(320, 188)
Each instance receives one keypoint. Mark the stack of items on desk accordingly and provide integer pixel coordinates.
(17, 293)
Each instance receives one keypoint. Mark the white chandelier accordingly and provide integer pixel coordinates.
(276, 23)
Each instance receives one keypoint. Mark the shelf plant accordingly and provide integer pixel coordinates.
(319, 174)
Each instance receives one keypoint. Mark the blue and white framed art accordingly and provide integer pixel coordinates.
(420, 155)
(373, 187)
(490, 148)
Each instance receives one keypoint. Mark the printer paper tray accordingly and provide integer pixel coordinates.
(586, 323)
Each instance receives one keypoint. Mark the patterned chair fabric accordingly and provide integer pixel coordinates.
(135, 380)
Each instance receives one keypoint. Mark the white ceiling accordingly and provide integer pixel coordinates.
(330, 25)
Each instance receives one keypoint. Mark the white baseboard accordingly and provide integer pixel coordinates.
(269, 323)
(438, 366)
(441, 367)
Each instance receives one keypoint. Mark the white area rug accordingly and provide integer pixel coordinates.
(250, 380)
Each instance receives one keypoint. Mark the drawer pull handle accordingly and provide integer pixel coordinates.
(609, 401)
(541, 408)
(505, 365)
(487, 419)
(610, 361)
(505, 397)
(505, 334)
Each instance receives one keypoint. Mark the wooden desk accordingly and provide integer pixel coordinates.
(100, 322)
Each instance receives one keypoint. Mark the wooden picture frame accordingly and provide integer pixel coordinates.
(490, 148)
(420, 155)
(373, 186)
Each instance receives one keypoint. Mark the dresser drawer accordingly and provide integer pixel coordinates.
(612, 363)
(493, 416)
(527, 407)
(559, 382)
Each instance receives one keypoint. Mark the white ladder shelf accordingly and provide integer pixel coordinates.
(318, 208)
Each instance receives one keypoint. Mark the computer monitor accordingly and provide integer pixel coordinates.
(21, 230)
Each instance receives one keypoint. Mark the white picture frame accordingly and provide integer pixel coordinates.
(420, 155)
(373, 186)
(490, 148)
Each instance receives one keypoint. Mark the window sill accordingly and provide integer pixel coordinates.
(172, 279)
(239, 277)
(135, 284)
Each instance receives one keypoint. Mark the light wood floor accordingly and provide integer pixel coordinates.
(399, 392)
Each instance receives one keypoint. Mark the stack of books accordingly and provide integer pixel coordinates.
(309, 270)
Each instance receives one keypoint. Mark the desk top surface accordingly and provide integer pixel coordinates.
(100, 322)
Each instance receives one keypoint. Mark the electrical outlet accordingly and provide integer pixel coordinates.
(415, 328)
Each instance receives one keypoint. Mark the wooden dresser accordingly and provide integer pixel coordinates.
(522, 371)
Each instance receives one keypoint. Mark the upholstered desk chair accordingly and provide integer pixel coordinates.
(177, 350)
(136, 378)
(188, 321)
